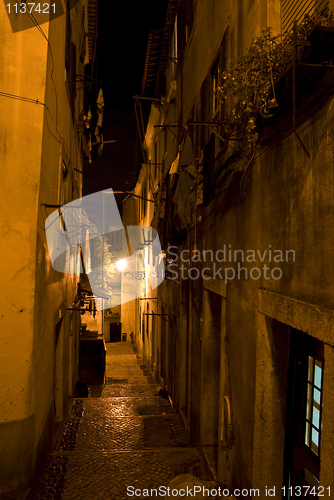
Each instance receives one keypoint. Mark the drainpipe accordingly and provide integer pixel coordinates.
(226, 440)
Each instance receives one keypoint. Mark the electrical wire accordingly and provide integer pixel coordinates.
(37, 101)
(22, 98)
(37, 25)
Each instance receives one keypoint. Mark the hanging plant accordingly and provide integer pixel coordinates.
(249, 84)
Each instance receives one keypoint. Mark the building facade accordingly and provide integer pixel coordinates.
(241, 330)
(43, 56)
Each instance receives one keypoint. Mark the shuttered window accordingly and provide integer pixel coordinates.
(185, 19)
(296, 9)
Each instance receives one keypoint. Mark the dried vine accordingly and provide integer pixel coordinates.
(249, 84)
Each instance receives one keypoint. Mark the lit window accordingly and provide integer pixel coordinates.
(314, 404)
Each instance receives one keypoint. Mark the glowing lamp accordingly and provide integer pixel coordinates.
(121, 264)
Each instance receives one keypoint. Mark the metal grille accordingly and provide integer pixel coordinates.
(296, 9)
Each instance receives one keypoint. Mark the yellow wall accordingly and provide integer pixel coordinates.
(33, 296)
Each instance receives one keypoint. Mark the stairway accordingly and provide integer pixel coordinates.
(122, 436)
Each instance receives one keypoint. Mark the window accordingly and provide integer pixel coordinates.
(210, 137)
(313, 404)
(147, 319)
(70, 61)
(184, 21)
(83, 44)
(218, 104)
(216, 77)
(174, 50)
(64, 178)
(143, 325)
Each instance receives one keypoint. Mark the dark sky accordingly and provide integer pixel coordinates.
(123, 32)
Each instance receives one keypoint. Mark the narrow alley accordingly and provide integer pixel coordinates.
(123, 435)
(167, 190)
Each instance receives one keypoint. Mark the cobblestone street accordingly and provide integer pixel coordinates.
(122, 435)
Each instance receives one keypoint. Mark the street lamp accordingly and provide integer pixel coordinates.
(121, 264)
(138, 275)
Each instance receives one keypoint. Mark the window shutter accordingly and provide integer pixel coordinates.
(209, 177)
(185, 18)
(73, 70)
(82, 50)
(68, 37)
(205, 109)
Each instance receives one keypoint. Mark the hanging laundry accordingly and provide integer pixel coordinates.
(174, 170)
(185, 196)
(98, 128)
(87, 148)
(187, 154)
(175, 165)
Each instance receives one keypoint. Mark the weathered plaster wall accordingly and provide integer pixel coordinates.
(288, 206)
(23, 71)
(128, 317)
(56, 368)
(242, 21)
(272, 349)
(35, 297)
(60, 141)
(317, 322)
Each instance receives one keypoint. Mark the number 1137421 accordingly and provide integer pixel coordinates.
(30, 8)
(306, 491)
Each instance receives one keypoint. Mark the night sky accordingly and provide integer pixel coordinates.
(123, 31)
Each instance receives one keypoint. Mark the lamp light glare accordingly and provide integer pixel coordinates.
(120, 264)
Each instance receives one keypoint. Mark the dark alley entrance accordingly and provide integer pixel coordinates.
(115, 332)
(124, 434)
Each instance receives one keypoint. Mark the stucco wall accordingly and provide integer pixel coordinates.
(55, 290)
(287, 206)
(23, 71)
(242, 21)
(35, 297)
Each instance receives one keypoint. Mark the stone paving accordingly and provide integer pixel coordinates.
(122, 435)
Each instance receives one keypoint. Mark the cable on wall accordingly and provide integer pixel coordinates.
(37, 25)
(22, 98)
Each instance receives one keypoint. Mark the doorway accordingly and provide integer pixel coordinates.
(210, 363)
(115, 332)
(58, 400)
(304, 416)
(163, 348)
